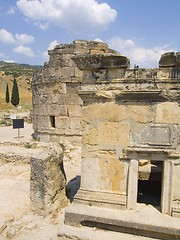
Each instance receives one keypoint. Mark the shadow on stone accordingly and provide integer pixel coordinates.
(72, 187)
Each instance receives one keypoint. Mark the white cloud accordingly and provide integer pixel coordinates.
(24, 50)
(11, 11)
(8, 61)
(87, 16)
(24, 38)
(143, 57)
(6, 37)
(51, 46)
(42, 26)
(98, 40)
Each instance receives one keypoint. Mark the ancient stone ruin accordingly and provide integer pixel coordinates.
(128, 122)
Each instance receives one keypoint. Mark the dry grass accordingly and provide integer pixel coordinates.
(25, 94)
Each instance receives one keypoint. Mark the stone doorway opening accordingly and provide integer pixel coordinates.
(150, 182)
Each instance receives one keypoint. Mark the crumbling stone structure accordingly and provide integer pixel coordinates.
(126, 120)
(129, 123)
(56, 104)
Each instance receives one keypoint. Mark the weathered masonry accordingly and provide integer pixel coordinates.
(127, 119)
(56, 104)
(130, 136)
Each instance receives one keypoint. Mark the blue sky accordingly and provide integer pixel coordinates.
(140, 29)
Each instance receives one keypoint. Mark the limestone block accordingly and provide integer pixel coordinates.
(43, 121)
(115, 73)
(101, 61)
(62, 110)
(73, 139)
(139, 113)
(56, 110)
(39, 99)
(167, 59)
(74, 111)
(66, 60)
(55, 137)
(41, 110)
(89, 151)
(159, 135)
(162, 74)
(57, 99)
(47, 180)
(112, 133)
(45, 89)
(72, 88)
(67, 72)
(62, 122)
(37, 89)
(115, 113)
(132, 184)
(90, 136)
(35, 99)
(35, 110)
(78, 73)
(168, 112)
(176, 184)
(73, 99)
(75, 123)
(73, 132)
(103, 175)
(59, 88)
(54, 98)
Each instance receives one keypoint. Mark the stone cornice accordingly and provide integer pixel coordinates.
(149, 153)
(130, 95)
(100, 61)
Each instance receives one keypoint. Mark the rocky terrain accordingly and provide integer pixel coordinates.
(16, 220)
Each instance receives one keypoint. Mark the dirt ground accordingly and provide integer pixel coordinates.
(16, 219)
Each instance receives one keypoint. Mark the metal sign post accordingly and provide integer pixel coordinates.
(17, 124)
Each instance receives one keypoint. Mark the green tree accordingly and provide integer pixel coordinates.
(7, 93)
(15, 93)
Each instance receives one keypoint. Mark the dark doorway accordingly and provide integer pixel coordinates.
(149, 189)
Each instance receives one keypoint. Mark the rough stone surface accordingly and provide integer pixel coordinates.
(15, 209)
(125, 116)
(167, 60)
(48, 181)
(54, 88)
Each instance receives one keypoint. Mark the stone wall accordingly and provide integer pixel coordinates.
(128, 115)
(125, 122)
(56, 105)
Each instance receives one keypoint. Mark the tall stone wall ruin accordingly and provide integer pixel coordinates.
(57, 108)
(88, 92)
(56, 105)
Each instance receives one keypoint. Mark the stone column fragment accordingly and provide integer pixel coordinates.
(48, 181)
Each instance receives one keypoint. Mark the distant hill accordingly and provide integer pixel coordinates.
(23, 74)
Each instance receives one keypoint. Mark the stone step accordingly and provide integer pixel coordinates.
(145, 221)
(86, 233)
